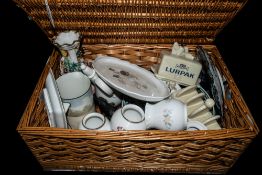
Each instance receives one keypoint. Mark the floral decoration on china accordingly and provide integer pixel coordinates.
(167, 118)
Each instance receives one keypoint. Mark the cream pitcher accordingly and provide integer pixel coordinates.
(168, 114)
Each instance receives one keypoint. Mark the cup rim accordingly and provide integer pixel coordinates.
(134, 107)
(70, 73)
(93, 115)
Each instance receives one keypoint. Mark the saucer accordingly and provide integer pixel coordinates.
(58, 117)
(195, 125)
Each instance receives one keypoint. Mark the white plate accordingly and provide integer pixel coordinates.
(221, 82)
(49, 108)
(130, 79)
(58, 110)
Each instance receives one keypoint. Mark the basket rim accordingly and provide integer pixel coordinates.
(141, 135)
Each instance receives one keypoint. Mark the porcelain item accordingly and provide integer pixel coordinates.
(130, 117)
(127, 100)
(221, 81)
(195, 125)
(185, 93)
(210, 103)
(177, 49)
(212, 123)
(48, 108)
(75, 88)
(66, 65)
(113, 100)
(130, 79)
(194, 102)
(209, 124)
(197, 111)
(193, 98)
(70, 42)
(181, 51)
(202, 113)
(198, 103)
(204, 116)
(166, 115)
(96, 80)
(55, 107)
(211, 78)
(95, 121)
(73, 122)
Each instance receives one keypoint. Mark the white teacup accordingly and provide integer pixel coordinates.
(73, 122)
(129, 117)
(75, 89)
(95, 121)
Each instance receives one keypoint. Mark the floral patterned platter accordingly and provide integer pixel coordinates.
(130, 79)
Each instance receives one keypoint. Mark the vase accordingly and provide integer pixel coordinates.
(68, 43)
(169, 114)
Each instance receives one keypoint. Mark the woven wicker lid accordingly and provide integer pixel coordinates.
(134, 21)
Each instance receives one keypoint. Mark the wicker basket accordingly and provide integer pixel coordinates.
(137, 30)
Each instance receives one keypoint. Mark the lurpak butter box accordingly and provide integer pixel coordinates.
(180, 69)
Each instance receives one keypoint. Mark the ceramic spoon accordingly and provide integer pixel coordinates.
(96, 80)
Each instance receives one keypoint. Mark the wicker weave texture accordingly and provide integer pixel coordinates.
(134, 21)
(166, 156)
(211, 151)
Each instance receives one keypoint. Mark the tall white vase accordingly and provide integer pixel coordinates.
(168, 114)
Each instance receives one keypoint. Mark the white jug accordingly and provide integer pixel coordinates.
(168, 114)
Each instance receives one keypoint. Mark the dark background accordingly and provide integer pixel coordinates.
(25, 50)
